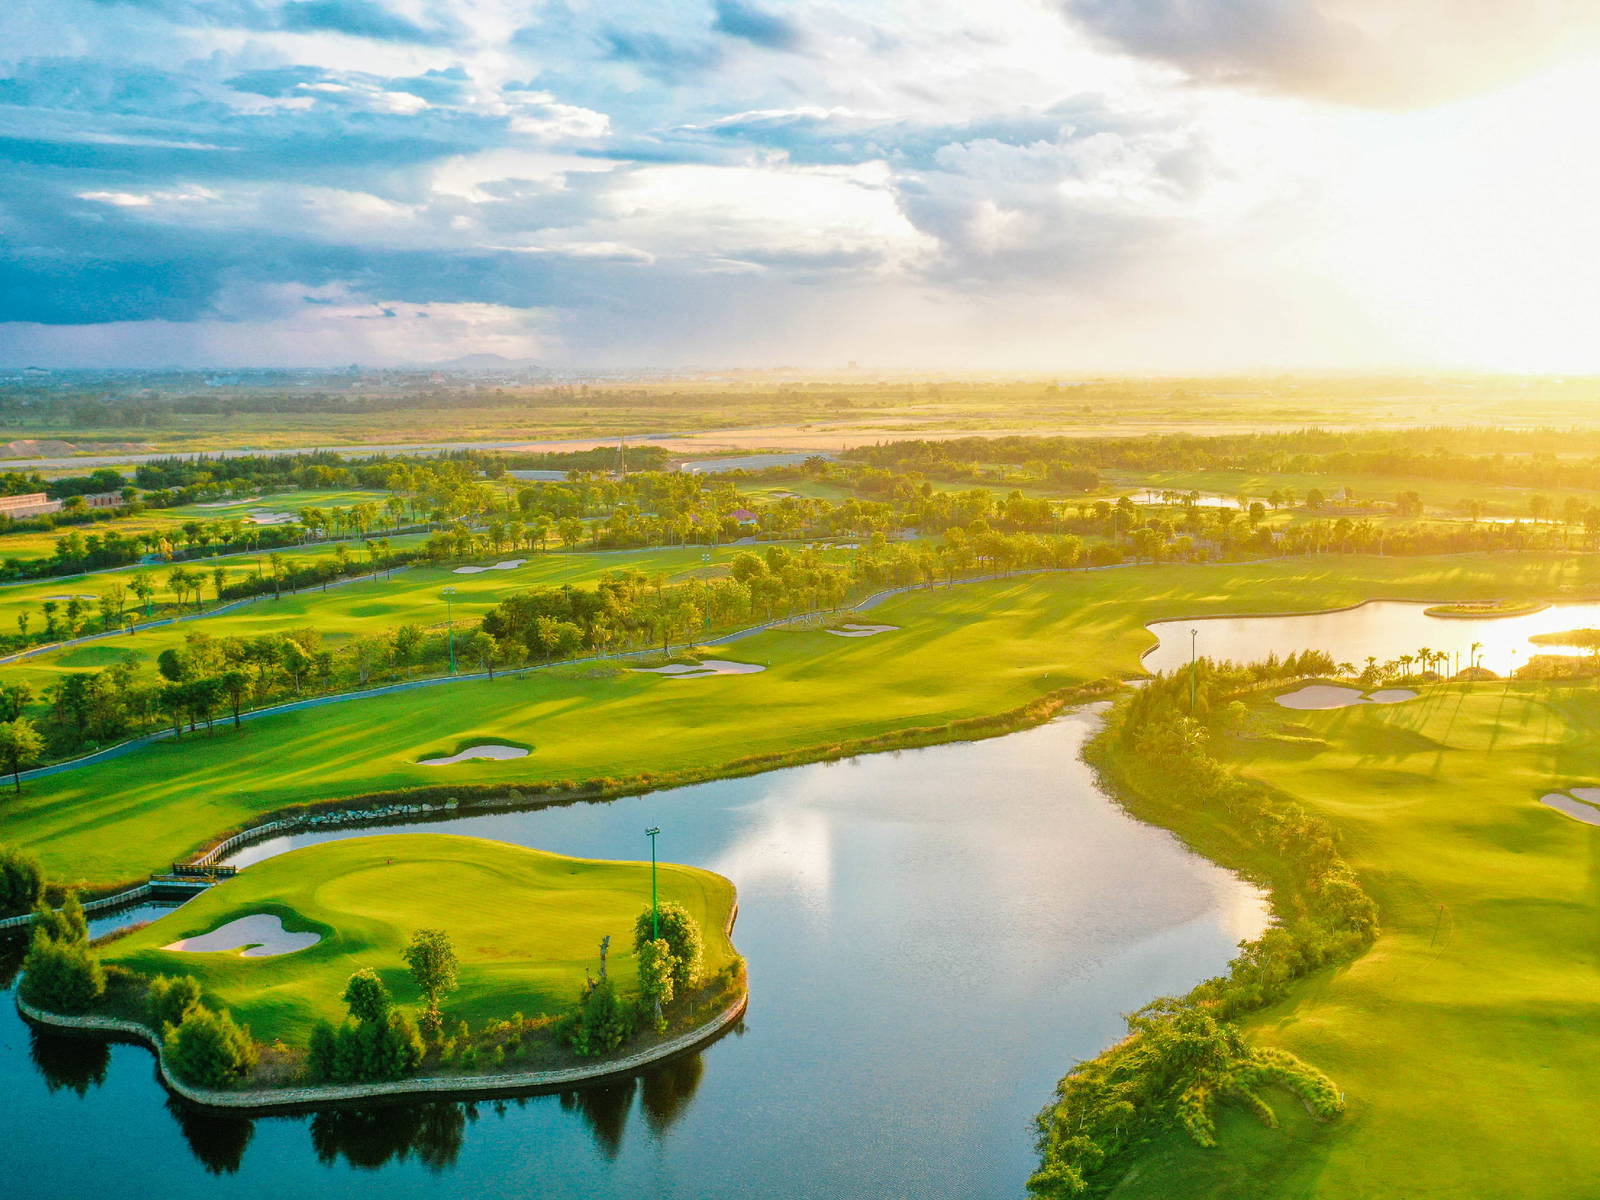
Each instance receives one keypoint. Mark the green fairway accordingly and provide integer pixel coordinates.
(1468, 1039)
(368, 607)
(30, 545)
(973, 650)
(526, 926)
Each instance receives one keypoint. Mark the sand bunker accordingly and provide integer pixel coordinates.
(860, 630)
(711, 666)
(492, 750)
(228, 503)
(1323, 695)
(507, 565)
(74, 596)
(260, 935)
(262, 517)
(1576, 809)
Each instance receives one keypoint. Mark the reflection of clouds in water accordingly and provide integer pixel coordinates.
(1385, 629)
(785, 846)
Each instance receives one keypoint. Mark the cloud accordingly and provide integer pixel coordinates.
(756, 25)
(355, 18)
(1394, 54)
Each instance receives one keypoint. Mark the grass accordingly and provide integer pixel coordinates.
(1468, 1038)
(526, 926)
(31, 545)
(963, 652)
(365, 607)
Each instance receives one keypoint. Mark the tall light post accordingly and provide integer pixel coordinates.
(655, 913)
(1194, 640)
(449, 595)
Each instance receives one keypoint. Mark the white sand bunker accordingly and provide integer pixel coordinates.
(860, 630)
(260, 935)
(492, 750)
(710, 666)
(260, 516)
(1578, 810)
(507, 565)
(1324, 695)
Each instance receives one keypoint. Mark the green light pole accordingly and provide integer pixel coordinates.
(1194, 635)
(449, 595)
(655, 914)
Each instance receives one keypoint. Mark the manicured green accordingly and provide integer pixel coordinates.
(1468, 1039)
(526, 927)
(968, 651)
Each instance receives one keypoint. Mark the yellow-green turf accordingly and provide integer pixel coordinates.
(973, 650)
(32, 544)
(526, 926)
(368, 607)
(1467, 1041)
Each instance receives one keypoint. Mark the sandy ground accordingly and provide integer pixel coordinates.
(710, 666)
(486, 751)
(506, 565)
(860, 630)
(260, 935)
(1323, 695)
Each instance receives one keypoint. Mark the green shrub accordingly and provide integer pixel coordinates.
(21, 881)
(600, 1023)
(207, 1049)
(169, 998)
(62, 976)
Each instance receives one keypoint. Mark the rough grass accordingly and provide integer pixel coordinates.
(526, 926)
(1467, 1040)
(970, 651)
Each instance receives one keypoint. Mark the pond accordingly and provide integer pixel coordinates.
(1384, 629)
(934, 936)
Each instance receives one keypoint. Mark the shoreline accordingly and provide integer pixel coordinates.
(267, 1101)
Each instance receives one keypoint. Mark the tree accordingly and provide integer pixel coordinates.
(432, 959)
(656, 965)
(206, 1048)
(14, 698)
(63, 977)
(20, 747)
(681, 932)
(366, 997)
(21, 881)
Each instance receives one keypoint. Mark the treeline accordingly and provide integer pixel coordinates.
(1184, 1055)
(1518, 458)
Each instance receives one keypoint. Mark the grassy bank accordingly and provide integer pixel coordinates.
(1467, 1038)
(959, 653)
(526, 926)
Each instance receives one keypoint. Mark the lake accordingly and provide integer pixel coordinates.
(933, 935)
(1385, 629)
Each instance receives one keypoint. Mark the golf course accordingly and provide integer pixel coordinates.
(527, 927)
(1468, 1034)
(964, 652)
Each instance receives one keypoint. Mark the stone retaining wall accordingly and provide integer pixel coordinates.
(273, 1099)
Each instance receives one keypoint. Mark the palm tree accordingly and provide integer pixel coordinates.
(1476, 646)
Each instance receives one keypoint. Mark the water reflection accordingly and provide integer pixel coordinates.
(605, 1111)
(1383, 629)
(370, 1138)
(217, 1140)
(75, 1064)
(667, 1090)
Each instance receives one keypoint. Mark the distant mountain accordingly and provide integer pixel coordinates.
(484, 362)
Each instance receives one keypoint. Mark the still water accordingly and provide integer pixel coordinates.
(933, 937)
(1384, 629)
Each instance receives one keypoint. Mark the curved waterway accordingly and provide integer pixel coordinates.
(933, 937)
(1384, 629)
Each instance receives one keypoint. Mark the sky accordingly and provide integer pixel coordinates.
(1017, 185)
